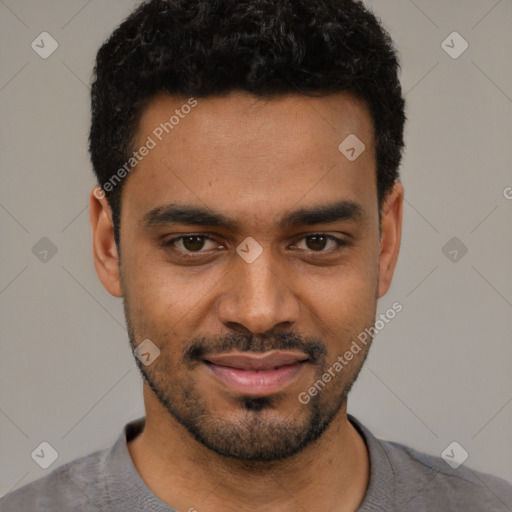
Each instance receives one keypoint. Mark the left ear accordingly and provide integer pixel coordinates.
(391, 226)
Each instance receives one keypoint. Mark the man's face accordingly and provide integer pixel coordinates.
(290, 296)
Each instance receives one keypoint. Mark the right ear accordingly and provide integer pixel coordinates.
(106, 258)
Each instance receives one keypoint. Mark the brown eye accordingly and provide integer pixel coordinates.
(316, 242)
(193, 243)
(188, 244)
(319, 241)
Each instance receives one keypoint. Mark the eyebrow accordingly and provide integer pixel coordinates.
(179, 213)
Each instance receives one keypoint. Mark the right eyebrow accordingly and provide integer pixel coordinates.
(175, 213)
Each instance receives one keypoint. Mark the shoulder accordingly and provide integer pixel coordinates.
(427, 482)
(72, 486)
(403, 478)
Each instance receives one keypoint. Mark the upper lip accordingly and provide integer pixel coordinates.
(251, 361)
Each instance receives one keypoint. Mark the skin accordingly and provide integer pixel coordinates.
(253, 161)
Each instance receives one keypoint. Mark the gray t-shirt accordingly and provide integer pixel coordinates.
(401, 479)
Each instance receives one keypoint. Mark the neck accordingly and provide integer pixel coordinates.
(331, 474)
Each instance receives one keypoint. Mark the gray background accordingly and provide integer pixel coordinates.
(439, 372)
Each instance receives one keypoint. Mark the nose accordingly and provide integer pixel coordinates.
(258, 297)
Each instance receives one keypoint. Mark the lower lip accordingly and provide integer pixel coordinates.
(254, 383)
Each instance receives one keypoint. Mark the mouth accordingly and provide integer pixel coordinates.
(253, 374)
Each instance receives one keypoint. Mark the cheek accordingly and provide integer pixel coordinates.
(346, 289)
(342, 304)
(150, 280)
(346, 305)
(168, 300)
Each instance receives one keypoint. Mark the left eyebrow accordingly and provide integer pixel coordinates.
(178, 213)
(324, 214)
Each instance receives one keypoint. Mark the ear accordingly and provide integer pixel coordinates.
(391, 226)
(106, 259)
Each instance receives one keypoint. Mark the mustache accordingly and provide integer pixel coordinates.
(201, 346)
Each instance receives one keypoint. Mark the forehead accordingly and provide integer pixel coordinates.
(238, 153)
(236, 116)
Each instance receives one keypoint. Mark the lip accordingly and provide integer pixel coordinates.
(256, 374)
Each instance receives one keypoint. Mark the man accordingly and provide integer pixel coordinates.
(249, 214)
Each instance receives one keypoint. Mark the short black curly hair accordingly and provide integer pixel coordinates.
(206, 48)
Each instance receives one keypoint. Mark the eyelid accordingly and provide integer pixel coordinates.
(340, 242)
(167, 243)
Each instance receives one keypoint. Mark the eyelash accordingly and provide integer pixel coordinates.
(168, 244)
